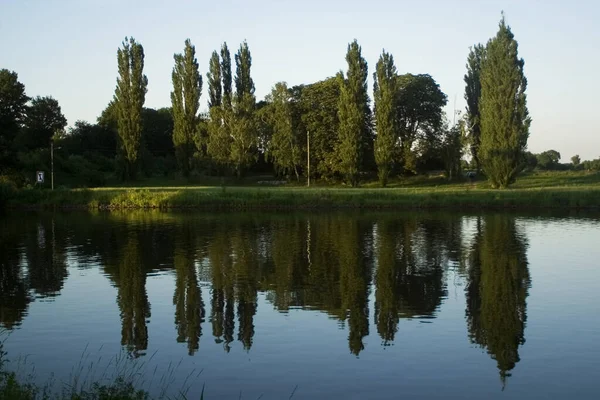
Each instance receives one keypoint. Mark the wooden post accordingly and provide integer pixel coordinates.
(308, 156)
(52, 163)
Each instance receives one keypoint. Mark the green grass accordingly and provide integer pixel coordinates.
(120, 379)
(557, 190)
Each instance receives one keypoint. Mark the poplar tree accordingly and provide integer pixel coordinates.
(130, 95)
(219, 88)
(226, 74)
(505, 119)
(243, 132)
(185, 101)
(213, 76)
(352, 114)
(284, 147)
(472, 97)
(384, 94)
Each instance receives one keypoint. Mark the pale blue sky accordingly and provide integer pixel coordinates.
(67, 49)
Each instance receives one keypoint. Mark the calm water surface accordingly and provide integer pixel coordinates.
(381, 306)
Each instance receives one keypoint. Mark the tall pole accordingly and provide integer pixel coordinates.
(308, 155)
(52, 163)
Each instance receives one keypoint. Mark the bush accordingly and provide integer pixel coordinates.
(88, 172)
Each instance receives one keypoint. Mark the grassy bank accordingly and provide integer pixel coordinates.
(120, 379)
(536, 191)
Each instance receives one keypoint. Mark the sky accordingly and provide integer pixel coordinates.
(67, 49)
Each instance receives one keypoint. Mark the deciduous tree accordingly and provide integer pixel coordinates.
(130, 95)
(284, 147)
(352, 113)
(243, 132)
(505, 119)
(384, 94)
(419, 113)
(44, 118)
(12, 112)
(185, 100)
(472, 95)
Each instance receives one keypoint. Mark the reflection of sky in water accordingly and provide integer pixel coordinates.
(308, 349)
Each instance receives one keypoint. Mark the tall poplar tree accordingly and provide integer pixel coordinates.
(219, 88)
(130, 95)
(505, 119)
(352, 114)
(284, 147)
(384, 94)
(213, 76)
(226, 74)
(472, 96)
(243, 132)
(185, 101)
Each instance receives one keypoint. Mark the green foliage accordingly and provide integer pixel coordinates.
(226, 75)
(12, 113)
(564, 190)
(44, 118)
(354, 120)
(591, 165)
(503, 106)
(318, 107)
(419, 114)
(499, 283)
(576, 161)
(220, 121)
(185, 100)
(242, 124)
(219, 139)
(452, 150)
(157, 131)
(285, 146)
(384, 94)
(529, 161)
(473, 96)
(549, 159)
(130, 95)
(213, 76)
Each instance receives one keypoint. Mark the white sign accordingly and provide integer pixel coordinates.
(40, 176)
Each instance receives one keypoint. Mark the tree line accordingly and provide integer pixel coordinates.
(330, 124)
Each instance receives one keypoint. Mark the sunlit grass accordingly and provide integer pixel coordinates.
(539, 190)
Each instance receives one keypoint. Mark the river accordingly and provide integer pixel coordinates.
(315, 306)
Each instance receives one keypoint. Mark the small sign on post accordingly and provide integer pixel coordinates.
(40, 177)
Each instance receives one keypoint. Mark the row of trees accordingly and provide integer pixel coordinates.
(330, 122)
(236, 132)
(404, 114)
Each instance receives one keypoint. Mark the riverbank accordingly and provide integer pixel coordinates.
(554, 191)
(121, 380)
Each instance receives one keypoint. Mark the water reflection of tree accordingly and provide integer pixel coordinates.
(323, 263)
(498, 287)
(233, 255)
(132, 297)
(411, 258)
(45, 257)
(14, 293)
(189, 306)
(355, 278)
(223, 302)
(245, 265)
